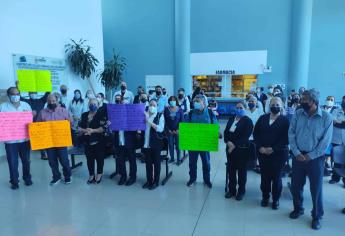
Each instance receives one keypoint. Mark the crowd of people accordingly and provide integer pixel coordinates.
(263, 133)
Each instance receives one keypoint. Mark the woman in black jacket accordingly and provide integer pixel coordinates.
(91, 132)
(236, 136)
(271, 139)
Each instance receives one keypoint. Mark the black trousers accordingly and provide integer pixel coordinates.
(95, 153)
(314, 170)
(271, 175)
(130, 153)
(237, 169)
(153, 164)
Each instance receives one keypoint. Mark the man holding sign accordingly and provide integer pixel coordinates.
(53, 112)
(17, 147)
(200, 114)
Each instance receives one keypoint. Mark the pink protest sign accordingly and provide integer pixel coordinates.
(14, 125)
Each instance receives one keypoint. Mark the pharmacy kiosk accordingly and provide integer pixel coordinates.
(227, 76)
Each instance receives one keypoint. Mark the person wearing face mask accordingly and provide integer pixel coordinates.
(310, 134)
(269, 96)
(36, 104)
(127, 95)
(162, 101)
(140, 90)
(53, 112)
(125, 144)
(76, 108)
(271, 139)
(144, 100)
(253, 112)
(338, 137)
(63, 91)
(236, 136)
(17, 148)
(153, 143)
(329, 104)
(173, 115)
(183, 102)
(260, 95)
(164, 92)
(102, 104)
(200, 114)
(91, 132)
(293, 105)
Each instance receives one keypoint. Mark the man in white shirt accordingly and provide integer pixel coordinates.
(17, 148)
(127, 95)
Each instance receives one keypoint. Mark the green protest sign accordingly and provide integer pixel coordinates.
(198, 137)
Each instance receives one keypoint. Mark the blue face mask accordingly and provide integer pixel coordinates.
(197, 106)
(172, 103)
(93, 107)
(240, 112)
(251, 105)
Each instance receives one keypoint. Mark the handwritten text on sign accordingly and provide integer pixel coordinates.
(14, 125)
(126, 117)
(34, 80)
(50, 134)
(198, 137)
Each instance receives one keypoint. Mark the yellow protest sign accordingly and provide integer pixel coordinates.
(34, 80)
(50, 134)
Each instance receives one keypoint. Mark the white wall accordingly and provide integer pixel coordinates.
(42, 28)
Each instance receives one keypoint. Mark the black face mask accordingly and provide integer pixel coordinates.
(306, 107)
(180, 96)
(295, 100)
(275, 110)
(117, 101)
(158, 93)
(143, 100)
(63, 91)
(164, 93)
(52, 106)
(140, 92)
(123, 87)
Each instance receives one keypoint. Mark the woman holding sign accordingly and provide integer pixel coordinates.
(271, 139)
(153, 142)
(236, 136)
(91, 132)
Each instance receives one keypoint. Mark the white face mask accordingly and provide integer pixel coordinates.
(90, 95)
(15, 98)
(33, 96)
(99, 100)
(270, 90)
(329, 103)
(153, 110)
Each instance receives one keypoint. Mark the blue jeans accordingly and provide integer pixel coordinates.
(206, 167)
(56, 155)
(22, 150)
(314, 170)
(173, 143)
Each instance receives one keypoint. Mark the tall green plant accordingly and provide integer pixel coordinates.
(112, 74)
(81, 60)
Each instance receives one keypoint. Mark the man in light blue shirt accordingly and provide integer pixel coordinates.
(162, 100)
(310, 134)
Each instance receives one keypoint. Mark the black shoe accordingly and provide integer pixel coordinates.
(190, 183)
(54, 181)
(130, 181)
(229, 195)
(295, 214)
(239, 196)
(315, 224)
(264, 202)
(113, 175)
(91, 181)
(275, 205)
(122, 181)
(147, 185)
(68, 181)
(208, 184)
(343, 211)
(14, 186)
(44, 157)
(153, 186)
(100, 180)
(326, 172)
(28, 182)
(332, 181)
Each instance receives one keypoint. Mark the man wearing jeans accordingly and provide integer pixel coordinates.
(200, 114)
(17, 147)
(53, 112)
(310, 134)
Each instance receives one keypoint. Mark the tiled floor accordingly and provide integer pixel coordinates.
(108, 209)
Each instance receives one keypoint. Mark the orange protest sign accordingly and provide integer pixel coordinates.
(50, 134)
